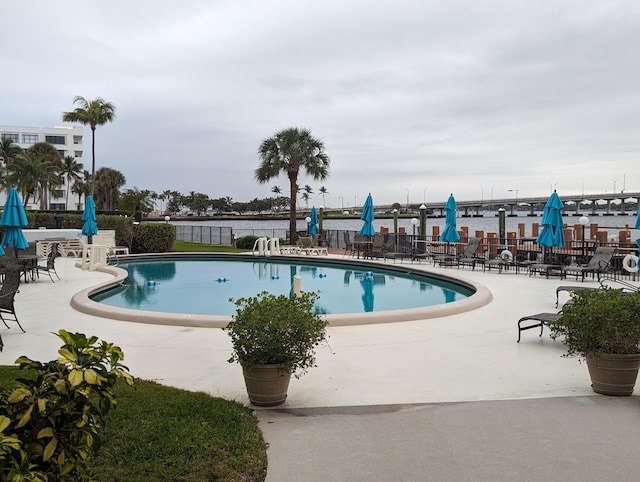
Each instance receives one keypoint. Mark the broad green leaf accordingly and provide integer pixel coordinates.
(75, 377)
(45, 432)
(67, 355)
(26, 416)
(90, 376)
(50, 449)
(61, 386)
(18, 395)
(4, 423)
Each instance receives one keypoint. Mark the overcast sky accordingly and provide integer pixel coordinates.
(413, 99)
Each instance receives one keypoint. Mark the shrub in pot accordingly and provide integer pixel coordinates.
(274, 336)
(603, 327)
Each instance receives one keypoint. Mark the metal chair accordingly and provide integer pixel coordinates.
(8, 292)
(50, 267)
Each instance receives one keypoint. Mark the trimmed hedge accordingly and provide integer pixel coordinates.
(246, 242)
(153, 238)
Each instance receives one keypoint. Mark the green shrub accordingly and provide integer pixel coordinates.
(246, 242)
(153, 237)
(270, 329)
(51, 424)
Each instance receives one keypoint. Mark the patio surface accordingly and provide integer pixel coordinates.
(453, 398)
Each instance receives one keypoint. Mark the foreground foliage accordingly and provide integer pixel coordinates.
(51, 424)
(159, 433)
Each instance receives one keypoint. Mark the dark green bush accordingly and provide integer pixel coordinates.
(246, 242)
(153, 238)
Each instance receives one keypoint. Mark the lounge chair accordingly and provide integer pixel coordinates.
(307, 246)
(540, 319)
(598, 264)
(468, 256)
(50, 266)
(8, 292)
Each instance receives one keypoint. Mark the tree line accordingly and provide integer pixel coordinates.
(39, 169)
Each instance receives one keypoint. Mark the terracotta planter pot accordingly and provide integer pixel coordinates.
(613, 374)
(266, 386)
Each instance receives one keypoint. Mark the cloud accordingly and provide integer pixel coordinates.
(426, 97)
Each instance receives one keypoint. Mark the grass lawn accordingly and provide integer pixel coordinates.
(159, 433)
(186, 246)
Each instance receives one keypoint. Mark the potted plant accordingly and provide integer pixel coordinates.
(603, 327)
(274, 337)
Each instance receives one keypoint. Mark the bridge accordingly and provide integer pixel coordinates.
(573, 204)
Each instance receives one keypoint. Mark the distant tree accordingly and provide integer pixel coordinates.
(324, 192)
(305, 197)
(93, 113)
(134, 199)
(72, 171)
(82, 187)
(30, 175)
(276, 190)
(197, 201)
(107, 188)
(288, 152)
(308, 190)
(175, 202)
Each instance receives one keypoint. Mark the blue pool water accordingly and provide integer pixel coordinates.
(201, 286)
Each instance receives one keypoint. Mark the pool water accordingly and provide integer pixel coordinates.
(200, 286)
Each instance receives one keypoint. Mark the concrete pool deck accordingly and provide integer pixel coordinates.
(453, 398)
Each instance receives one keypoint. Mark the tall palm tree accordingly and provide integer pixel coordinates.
(324, 192)
(308, 191)
(288, 152)
(96, 112)
(71, 170)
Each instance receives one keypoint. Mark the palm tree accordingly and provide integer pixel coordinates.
(107, 188)
(9, 150)
(324, 192)
(30, 175)
(71, 170)
(287, 152)
(276, 190)
(308, 191)
(82, 187)
(96, 112)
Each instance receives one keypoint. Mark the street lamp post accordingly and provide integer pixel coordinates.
(414, 221)
(423, 227)
(407, 197)
(516, 191)
(308, 220)
(583, 222)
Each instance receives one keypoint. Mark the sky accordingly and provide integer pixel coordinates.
(413, 100)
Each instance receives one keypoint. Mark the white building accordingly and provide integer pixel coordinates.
(67, 139)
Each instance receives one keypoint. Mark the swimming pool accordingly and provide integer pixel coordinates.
(195, 289)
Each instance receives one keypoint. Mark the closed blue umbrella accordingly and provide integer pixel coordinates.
(368, 217)
(367, 283)
(14, 218)
(450, 233)
(552, 233)
(90, 227)
(313, 224)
